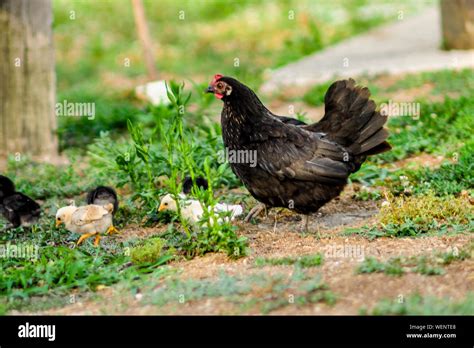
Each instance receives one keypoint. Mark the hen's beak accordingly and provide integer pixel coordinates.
(58, 223)
(210, 89)
(161, 208)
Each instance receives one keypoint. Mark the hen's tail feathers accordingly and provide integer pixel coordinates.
(351, 120)
(103, 195)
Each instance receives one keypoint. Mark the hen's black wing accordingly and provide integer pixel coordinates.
(288, 151)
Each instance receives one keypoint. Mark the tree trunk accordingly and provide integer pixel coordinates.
(145, 38)
(457, 20)
(27, 80)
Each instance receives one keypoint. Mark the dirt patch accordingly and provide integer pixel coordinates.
(133, 231)
(419, 161)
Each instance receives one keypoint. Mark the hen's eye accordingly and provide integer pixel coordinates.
(220, 85)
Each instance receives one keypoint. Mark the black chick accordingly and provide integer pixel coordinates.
(16, 207)
(188, 184)
(103, 195)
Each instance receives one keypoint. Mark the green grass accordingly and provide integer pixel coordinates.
(439, 129)
(424, 305)
(59, 269)
(453, 177)
(410, 228)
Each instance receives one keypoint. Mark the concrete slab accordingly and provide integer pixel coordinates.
(408, 45)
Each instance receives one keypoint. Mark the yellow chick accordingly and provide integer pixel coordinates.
(89, 220)
(191, 210)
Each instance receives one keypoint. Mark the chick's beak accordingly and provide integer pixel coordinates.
(161, 208)
(210, 89)
(58, 223)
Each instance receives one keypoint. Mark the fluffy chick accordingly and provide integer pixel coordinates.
(192, 209)
(89, 220)
(103, 195)
(16, 207)
(188, 184)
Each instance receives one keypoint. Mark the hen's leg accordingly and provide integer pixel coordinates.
(276, 220)
(255, 211)
(304, 223)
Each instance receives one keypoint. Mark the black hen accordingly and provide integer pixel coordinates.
(103, 195)
(16, 207)
(300, 167)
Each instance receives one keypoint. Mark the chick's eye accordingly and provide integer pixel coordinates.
(59, 219)
(166, 203)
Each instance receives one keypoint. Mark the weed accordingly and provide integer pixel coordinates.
(179, 151)
(304, 261)
(424, 264)
(372, 265)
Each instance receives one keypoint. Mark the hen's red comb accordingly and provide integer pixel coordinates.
(216, 77)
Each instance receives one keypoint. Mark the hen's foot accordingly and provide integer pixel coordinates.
(255, 211)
